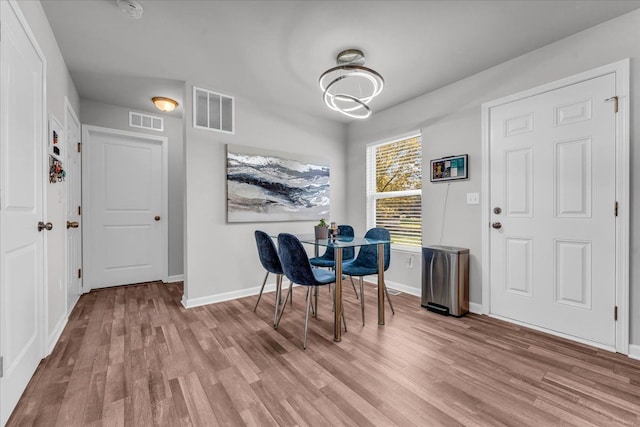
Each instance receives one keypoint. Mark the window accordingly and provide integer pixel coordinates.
(394, 190)
(213, 111)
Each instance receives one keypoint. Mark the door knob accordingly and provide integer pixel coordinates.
(42, 226)
(157, 217)
(496, 225)
(73, 224)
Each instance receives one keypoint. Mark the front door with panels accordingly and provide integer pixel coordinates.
(74, 206)
(22, 238)
(553, 190)
(125, 205)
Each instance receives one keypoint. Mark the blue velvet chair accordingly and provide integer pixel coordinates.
(296, 266)
(366, 263)
(328, 258)
(271, 262)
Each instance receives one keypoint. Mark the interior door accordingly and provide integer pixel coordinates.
(22, 138)
(74, 207)
(124, 199)
(553, 194)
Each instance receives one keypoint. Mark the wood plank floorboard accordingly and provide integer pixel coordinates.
(134, 356)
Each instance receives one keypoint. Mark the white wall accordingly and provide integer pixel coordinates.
(450, 121)
(59, 85)
(117, 117)
(221, 259)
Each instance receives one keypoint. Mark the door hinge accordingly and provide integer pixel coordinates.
(79, 273)
(615, 209)
(79, 147)
(79, 210)
(615, 103)
(615, 313)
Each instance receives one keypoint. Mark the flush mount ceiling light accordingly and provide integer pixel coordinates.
(164, 104)
(130, 8)
(349, 87)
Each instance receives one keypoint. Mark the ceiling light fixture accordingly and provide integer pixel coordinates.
(349, 87)
(164, 104)
(130, 8)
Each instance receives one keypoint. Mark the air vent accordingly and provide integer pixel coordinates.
(146, 121)
(213, 111)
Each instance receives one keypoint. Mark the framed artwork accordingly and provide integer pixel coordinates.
(450, 168)
(265, 185)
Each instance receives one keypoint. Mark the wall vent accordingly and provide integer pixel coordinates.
(145, 121)
(213, 111)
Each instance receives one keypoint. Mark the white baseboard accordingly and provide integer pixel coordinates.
(227, 296)
(399, 286)
(476, 308)
(55, 335)
(634, 351)
(176, 278)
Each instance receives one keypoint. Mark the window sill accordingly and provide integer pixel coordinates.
(407, 249)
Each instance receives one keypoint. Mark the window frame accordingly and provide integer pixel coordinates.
(221, 95)
(373, 196)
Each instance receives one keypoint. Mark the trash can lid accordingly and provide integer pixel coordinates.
(451, 249)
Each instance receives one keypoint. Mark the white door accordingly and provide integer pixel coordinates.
(73, 181)
(22, 138)
(553, 178)
(124, 197)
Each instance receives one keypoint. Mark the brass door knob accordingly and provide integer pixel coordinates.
(157, 217)
(73, 224)
(496, 225)
(42, 226)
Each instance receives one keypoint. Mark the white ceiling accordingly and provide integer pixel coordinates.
(273, 52)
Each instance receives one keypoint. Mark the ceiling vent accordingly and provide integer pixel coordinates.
(130, 8)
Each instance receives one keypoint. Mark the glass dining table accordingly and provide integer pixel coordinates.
(338, 244)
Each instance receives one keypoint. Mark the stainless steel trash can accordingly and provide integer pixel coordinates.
(445, 280)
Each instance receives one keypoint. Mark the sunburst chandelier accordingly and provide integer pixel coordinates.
(350, 86)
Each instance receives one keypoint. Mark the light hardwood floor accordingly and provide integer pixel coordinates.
(134, 356)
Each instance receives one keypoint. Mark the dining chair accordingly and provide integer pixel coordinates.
(271, 262)
(366, 263)
(296, 266)
(328, 258)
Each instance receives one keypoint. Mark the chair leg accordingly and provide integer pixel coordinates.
(261, 289)
(315, 303)
(344, 322)
(362, 298)
(306, 317)
(386, 292)
(278, 299)
(354, 286)
(284, 305)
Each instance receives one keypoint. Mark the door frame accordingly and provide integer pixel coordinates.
(86, 181)
(622, 178)
(42, 308)
(70, 114)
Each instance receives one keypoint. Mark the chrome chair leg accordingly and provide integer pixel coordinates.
(261, 289)
(315, 302)
(306, 317)
(284, 305)
(362, 298)
(278, 299)
(354, 286)
(386, 292)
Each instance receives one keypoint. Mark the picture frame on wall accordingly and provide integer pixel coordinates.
(449, 168)
(268, 185)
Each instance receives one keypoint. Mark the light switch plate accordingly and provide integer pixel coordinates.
(473, 198)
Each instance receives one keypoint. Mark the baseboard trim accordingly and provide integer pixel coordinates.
(475, 308)
(227, 296)
(634, 351)
(400, 287)
(176, 278)
(55, 335)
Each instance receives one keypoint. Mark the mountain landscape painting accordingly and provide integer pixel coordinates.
(265, 185)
